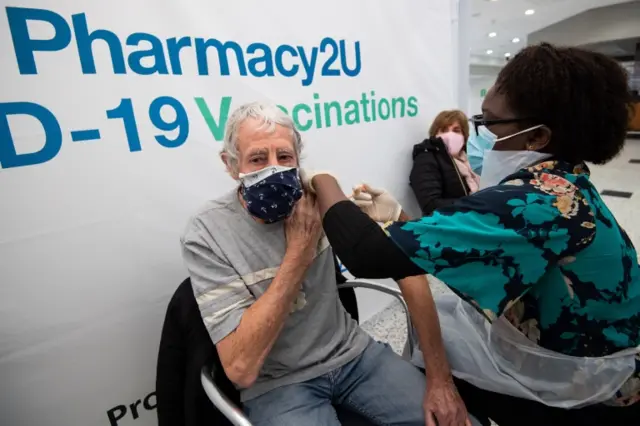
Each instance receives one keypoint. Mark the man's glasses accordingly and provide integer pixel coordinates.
(479, 120)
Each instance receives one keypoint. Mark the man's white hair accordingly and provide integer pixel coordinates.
(269, 115)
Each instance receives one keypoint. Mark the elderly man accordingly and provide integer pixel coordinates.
(264, 279)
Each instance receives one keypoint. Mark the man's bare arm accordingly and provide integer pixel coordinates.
(243, 352)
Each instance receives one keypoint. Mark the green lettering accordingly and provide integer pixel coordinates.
(296, 117)
(412, 110)
(327, 113)
(216, 128)
(394, 103)
(384, 112)
(352, 114)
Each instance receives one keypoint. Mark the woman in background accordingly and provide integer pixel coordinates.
(441, 172)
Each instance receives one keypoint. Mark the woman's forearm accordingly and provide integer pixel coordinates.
(328, 192)
(417, 294)
(363, 247)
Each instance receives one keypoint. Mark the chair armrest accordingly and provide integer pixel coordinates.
(372, 285)
(220, 401)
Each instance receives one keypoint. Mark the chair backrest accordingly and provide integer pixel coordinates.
(185, 347)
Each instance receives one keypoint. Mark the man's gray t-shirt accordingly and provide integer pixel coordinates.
(232, 259)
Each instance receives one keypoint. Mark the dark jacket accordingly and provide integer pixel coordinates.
(185, 347)
(434, 177)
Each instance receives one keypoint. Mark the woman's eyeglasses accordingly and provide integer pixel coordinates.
(479, 120)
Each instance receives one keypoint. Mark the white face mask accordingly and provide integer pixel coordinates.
(250, 179)
(497, 165)
(492, 138)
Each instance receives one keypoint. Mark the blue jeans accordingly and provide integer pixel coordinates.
(378, 384)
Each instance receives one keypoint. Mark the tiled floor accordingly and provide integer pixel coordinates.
(390, 325)
(621, 174)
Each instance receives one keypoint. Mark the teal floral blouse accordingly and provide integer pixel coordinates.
(543, 249)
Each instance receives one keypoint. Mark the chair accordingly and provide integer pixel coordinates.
(213, 377)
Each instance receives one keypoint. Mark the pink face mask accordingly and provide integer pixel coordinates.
(453, 141)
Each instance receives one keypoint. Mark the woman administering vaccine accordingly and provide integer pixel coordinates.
(546, 328)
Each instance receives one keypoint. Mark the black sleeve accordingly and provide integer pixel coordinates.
(347, 295)
(363, 247)
(426, 182)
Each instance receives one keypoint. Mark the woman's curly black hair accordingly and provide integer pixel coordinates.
(583, 97)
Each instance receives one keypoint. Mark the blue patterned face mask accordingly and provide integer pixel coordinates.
(477, 146)
(271, 193)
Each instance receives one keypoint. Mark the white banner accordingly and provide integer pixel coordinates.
(111, 120)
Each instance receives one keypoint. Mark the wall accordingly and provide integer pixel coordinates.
(481, 79)
(616, 22)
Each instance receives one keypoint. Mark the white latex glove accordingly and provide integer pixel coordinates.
(378, 204)
(306, 177)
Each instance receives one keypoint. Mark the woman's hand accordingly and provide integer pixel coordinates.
(306, 177)
(377, 203)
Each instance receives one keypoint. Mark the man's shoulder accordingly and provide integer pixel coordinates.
(223, 205)
(212, 214)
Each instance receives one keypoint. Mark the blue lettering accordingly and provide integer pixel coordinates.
(24, 46)
(280, 51)
(309, 64)
(262, 60)
(155, 52)
(326, 43)
(125, 112)
(266, 58)
(222, 48)
(343, 60)
(53, 135)
(85, 40)
(181, 122)
(174, 46)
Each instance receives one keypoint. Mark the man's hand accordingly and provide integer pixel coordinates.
(304, 227)
(443, 405)
(378, 204)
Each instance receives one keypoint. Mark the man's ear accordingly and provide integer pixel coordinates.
(229, 166)
(540, 139)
